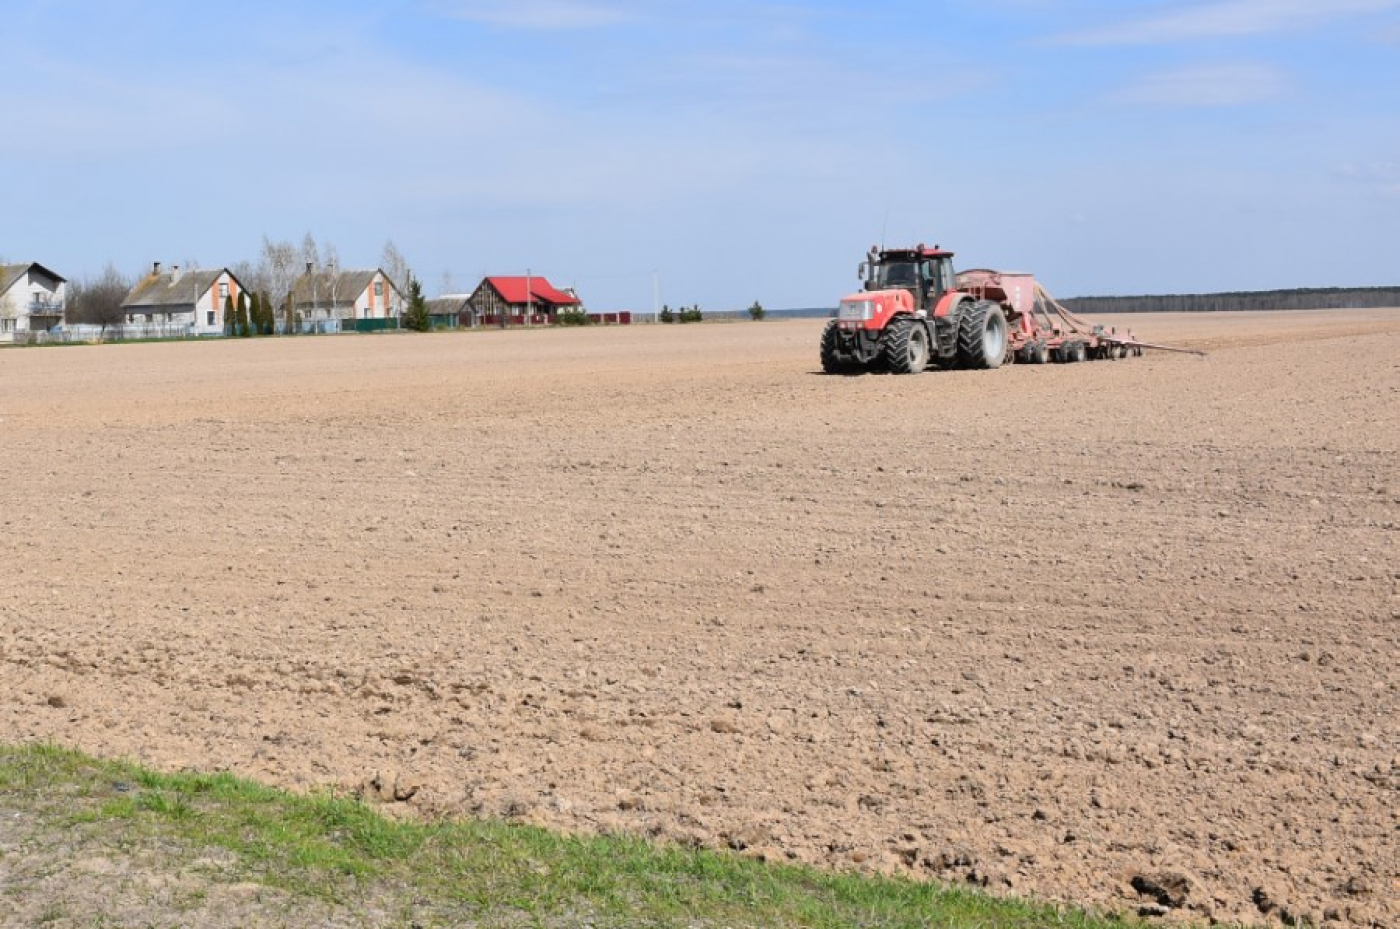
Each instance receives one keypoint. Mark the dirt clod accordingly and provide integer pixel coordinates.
(1169, 888)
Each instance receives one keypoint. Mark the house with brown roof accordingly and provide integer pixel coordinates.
(346, 295)
(31, 300)
(451, 311)
(528, 300)
(180, 302)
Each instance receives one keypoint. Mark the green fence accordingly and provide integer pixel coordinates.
(370, 325)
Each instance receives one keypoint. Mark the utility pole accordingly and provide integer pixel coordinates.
(529, 299)
(315, 324)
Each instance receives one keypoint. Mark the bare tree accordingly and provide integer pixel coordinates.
(7, 301)
(98, 301)
(395, 266)
(276, 270)
(249, 274)
(310, 254)
(330, 276)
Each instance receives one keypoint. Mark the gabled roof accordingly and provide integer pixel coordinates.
(318, 286)
(448, 303)
(164, 289)
(11, 273)
(513, 290)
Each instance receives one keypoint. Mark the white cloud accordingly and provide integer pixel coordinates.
(1224, 19)
(1206, 86)
(535, 14)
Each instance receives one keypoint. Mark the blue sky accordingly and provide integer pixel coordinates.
(734, 151)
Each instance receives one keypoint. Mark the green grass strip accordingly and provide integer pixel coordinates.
(338, 851)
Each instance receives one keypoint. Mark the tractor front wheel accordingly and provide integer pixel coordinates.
(905, 346)
(831, 355)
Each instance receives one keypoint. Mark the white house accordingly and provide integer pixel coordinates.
(31, 300)
(344, 295)
(180, 302)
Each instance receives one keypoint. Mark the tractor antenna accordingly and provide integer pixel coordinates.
(884, 226)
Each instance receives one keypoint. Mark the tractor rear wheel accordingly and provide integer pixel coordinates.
(831, 356)
(982, 335)
(904, 346)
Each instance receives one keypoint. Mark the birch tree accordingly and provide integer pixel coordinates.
(394, 266)
(310, 254)
(275, 271)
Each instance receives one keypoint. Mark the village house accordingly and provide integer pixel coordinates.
(185, 302)
(520, 300)
(451, 311)
(346, 295)
(31, 300)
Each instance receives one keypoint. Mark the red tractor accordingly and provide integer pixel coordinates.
(915, 310)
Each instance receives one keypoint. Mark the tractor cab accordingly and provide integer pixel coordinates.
(926, 273)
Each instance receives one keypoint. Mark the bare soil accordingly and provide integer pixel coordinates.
(1122, 633)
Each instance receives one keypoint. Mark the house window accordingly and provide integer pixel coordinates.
(211, 318)
(223, 290)
(379, 288)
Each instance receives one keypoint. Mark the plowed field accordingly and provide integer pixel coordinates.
(1122, 633)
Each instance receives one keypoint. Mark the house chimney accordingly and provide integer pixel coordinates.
(175, 274)
(155, 267)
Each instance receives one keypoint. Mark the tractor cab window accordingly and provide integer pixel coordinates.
(936, 273)
(898, 274)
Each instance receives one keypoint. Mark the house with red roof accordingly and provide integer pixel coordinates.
(520, 301)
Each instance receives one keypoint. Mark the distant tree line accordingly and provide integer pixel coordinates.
(1303, 298)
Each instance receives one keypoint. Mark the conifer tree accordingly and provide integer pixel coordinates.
(263, 323)
(417, 316)
(230, 328)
